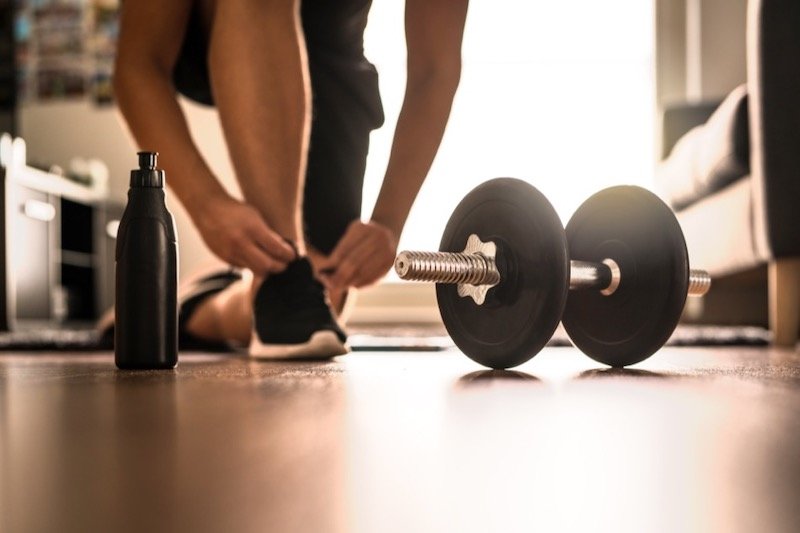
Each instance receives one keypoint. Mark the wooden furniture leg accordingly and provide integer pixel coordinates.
(784, 301)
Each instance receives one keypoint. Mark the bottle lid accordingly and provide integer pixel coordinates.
(147, 175)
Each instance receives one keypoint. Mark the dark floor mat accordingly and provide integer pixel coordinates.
(434, 337)
(423, 338)
(52, 340)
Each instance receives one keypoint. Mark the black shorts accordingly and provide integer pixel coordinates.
(346, 108)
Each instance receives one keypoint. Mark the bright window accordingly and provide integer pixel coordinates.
(559, 93)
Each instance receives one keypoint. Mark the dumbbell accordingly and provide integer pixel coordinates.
(507, 272)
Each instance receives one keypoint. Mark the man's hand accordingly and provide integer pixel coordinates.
(237, 233)
(364, 254)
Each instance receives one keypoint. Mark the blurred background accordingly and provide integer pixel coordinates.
(567, 95)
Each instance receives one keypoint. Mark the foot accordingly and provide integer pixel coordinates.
(292, 318)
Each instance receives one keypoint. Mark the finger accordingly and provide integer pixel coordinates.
(272, 243)
(370, 272)
(327, 271)
(349, 240)
(349, 266)
(325, 279)
(328, 266)
(258, 260)
(324, 264)
(326, 282)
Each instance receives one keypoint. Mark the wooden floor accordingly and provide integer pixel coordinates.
(699, 440)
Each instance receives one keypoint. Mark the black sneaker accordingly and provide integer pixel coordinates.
(292, 318)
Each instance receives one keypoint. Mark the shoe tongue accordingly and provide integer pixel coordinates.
(300, 267)
(299, 272)
(297, 279)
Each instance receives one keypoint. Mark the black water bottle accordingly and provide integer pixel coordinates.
(146, 324)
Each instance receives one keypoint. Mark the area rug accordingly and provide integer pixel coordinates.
(424, 338)
(434, 337)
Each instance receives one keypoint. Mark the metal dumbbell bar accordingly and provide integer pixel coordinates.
(479, 270)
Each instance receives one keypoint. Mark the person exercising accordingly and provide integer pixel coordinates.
(297, 101)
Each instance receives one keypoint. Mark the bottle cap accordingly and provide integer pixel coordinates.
(147, 175)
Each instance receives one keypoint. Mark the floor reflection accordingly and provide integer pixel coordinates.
(401, 443)
(624, 373)
(182, 451)
(483, 377)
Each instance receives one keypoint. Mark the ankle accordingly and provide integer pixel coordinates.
(253, 282)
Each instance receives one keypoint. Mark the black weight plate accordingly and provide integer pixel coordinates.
(640, 233)
(522, 312)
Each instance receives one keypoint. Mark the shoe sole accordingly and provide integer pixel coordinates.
(321, 345)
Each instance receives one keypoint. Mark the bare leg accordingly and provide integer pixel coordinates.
(259, 76)
(225, 316)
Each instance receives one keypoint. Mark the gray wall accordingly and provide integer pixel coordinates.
(55, 132)
(700, 49)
